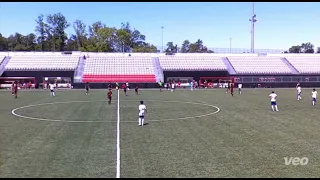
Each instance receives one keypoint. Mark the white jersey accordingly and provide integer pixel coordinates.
(273, 97)
(314, 94)
(172, 85)
(239, 86)
(127, 84)
(51, 86)
(142, 109)
(299, 89)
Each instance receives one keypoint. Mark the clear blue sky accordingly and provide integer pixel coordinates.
(279, 25)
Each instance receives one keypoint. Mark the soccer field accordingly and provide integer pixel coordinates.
(204, 133)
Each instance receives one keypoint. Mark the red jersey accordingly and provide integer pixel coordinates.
(109, 94)
(124, 86)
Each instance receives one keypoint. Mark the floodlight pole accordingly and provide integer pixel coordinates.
(253, 20)
(162, 37)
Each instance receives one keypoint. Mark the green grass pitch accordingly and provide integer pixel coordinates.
(244, 139)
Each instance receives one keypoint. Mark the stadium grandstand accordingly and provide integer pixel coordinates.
(147, 69)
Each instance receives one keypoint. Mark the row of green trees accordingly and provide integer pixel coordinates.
(50, 35)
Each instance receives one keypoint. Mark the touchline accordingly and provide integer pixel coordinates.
(296, 161)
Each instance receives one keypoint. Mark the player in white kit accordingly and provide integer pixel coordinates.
(298, 92)
(51, 86)
(273, 97)
(142, 111)
(240, 88)
(127, 85)
(173, 85)
(314, 97)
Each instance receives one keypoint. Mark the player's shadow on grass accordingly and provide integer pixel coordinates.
(145, 124)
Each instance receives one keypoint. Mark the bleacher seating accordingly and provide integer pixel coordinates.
(139, 67)
(119, 69)
(259, 65)
(192, 63)
(305, 64)
(42, 63)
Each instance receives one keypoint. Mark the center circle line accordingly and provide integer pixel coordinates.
(13, 112)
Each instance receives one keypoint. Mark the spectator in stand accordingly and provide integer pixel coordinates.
(205, 84)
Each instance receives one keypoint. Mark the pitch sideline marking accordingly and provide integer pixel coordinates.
(13, 112)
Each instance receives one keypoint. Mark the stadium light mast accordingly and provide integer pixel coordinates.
(253, 20)
(162, 37)
(230, 45)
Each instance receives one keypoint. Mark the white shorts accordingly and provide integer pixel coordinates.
(141, 115)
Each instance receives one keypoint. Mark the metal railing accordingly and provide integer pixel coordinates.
(238, 50)
(277, 79)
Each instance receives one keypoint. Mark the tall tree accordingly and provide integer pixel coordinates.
(133, 37)
(72, 43)
(30, 42)
(41, 31)
(3, 43)
(171, 48)
(92, 44)
(56, 26)
(185, 48)
(295, 49)
(123, 40)
(146, 47)
(81, 35)
(198, 47)
(105, 39)
(307, 47)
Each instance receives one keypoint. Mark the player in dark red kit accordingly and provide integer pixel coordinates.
(124, 87)
(87, 88)
(15, 90)
(12, 89)
(136, 89)
(231, 88)
(109, 96)
(228, 87)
